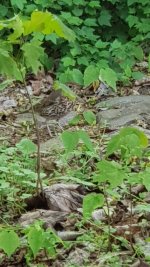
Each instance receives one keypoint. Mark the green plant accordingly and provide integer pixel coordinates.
(35, 240)
(111, 36)
(21, 52)
(17, 174)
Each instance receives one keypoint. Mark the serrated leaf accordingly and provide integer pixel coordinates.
(86, 139)
(47, 23)
(70, 140)
(109, 172)
(35, 240)
(20, 4)
(132, 20)
(90, 22)
(18, 28)
(9, 241)
(90, 117)
(8, 66)
(104, 18)
(68, 61)
(91, 202)
(91, 74)
(122, 139)
(109, 77)
(32, 54)
(26, 146)
(66, 91)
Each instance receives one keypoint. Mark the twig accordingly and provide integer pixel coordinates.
(109, 218)
(39, 186)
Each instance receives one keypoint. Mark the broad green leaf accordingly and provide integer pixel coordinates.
(131, 2)
(32, 54)
(83, 61)
(20, 4)
(86, 139)
(4, 84)
(91, 74)
(35, 240)
(94, 4)
(77, 76)
(70, 140)
(122, 139)
(108, 76)
(3, 10)
(142, 137)
(91, 202)
(109, 172)
(91, 22)
(145, 175)
(9, 241)
(66, 91)
(132, 20)
(75, 120)
(138, 53)
(68, 61)
(90, 117)
(8, 66)
(137, 75)
(17, 26)
(26, 146)
(104, 18)
(143, 208)
(47, 23)
(100, 44)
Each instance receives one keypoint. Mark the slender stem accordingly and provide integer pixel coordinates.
(131, 219)
(109, 218)
(39, 186)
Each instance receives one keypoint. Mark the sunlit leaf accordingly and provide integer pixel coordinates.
(90, 117)
(91, 74)
(66, 91)
(26, 146)
(70, 140)
(91, 202)
(8, 66)
(9, 241)
(108, 76)
(35, 240)
(32, 54)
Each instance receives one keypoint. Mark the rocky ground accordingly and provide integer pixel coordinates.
(63, 198)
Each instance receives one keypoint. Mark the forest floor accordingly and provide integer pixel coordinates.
(117, 234)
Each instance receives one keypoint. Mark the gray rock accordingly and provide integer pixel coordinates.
(124, 111)
(64, 121)
(27, 117)
(53, 145)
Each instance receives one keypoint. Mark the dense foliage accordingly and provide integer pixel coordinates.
(109, 33)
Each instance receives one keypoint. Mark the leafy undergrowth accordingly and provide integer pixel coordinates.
(110, 178)
(113, 220)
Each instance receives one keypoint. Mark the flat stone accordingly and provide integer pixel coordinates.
(52, 145)
(27, 117)
(123, 111)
